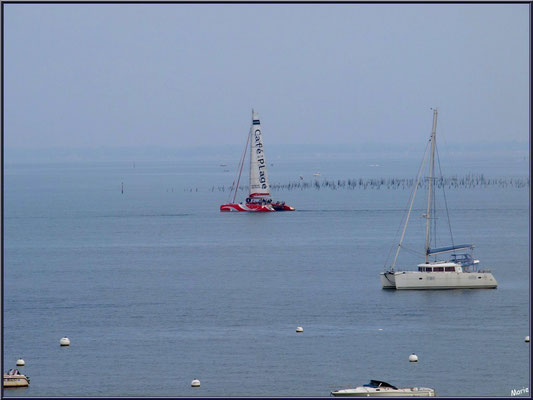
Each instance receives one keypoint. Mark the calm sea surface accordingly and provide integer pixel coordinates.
(155, 287)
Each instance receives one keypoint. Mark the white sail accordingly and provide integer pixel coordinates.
(259, 186)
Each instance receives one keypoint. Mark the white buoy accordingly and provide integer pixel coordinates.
(20, 362)
(299, 329)
(64, 341)
(195, 383)
(413, 358)
(380, 329)
(526, 339)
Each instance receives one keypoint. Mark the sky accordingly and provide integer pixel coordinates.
(178, 75)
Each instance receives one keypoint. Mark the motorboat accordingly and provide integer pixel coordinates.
(259, 198)
(383, 389)
(15, 379)
(460, 271)
(281, 206)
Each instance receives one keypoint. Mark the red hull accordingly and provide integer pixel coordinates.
(247, 207)
(256, 207)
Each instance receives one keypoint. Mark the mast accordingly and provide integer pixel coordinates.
(431, 165)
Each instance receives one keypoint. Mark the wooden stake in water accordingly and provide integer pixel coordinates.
(122, 188)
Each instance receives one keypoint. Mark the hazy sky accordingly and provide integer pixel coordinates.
(177, 75)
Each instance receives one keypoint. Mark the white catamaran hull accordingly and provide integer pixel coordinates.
(444, 280)
(388, 281)
(15, 381)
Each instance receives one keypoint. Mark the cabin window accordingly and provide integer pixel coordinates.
(449, 269)
(438, 269)
(429, 269)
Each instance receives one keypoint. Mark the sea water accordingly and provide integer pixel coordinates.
(155, 286)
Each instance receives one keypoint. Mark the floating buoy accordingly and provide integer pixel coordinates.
(20, 362)
(413, 358)
(380, 329)
(526, 339)
(195, 383)
(64, 341)
(299, 329)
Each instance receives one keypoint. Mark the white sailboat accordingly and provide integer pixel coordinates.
(459, 271)
(259, 198)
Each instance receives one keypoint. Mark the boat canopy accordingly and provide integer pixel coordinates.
(375, 384)
(449, 248)
(464, 259)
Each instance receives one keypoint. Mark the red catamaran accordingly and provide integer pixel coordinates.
(259, 199)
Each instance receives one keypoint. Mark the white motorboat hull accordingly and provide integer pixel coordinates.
(385, 392)
(444, 280)
(15, 381)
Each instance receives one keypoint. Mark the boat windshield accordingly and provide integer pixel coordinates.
(375, 384)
